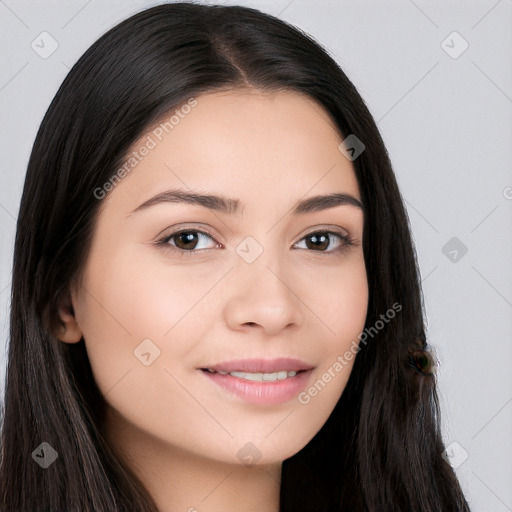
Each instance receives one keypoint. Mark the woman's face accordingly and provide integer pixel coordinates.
(262, 280)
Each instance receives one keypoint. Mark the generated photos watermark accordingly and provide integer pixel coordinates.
(150, 143)
(343, 360)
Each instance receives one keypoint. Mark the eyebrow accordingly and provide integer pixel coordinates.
(231, 206)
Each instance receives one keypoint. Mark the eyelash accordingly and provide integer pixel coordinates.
(346, 240)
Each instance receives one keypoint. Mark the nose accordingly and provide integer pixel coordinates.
(261, 297)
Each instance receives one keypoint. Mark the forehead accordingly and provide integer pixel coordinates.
(243, 142)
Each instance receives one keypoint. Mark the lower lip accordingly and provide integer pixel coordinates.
(262, 392)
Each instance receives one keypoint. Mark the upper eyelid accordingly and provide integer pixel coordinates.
(199, 228)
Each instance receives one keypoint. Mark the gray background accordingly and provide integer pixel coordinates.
(445, 115)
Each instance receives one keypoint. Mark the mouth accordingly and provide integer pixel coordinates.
(260, 381)
(258, 376)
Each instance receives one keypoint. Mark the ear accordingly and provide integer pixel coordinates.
(68, 330)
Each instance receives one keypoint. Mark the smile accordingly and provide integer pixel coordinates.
(259, 381)
(260, 377)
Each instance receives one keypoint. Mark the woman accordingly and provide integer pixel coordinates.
(216, 302)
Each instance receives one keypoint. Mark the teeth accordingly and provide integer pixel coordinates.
(267, 377)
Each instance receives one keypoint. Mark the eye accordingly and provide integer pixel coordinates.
(319, 241)
(187, 241)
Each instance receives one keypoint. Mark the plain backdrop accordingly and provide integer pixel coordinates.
(437, 78)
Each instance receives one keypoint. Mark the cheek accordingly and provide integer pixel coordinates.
(125, 302)
(339, 301)
(135, 299)
(341, 307)
(342, 318)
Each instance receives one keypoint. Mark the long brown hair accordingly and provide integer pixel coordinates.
(381, 448)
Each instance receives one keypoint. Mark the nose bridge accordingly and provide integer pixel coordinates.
(262, 294)
(260, 264)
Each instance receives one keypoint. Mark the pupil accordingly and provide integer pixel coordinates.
(320, 241)
(188, 237)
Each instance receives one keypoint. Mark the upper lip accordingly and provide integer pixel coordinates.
(260, 365)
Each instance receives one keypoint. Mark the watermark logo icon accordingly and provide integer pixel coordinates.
(454, 45)
(44, 45)
(249, 249)
(454, 249)
(147, 352)
(45, 455)
(455, 454)
(351, 147)
(249, 454)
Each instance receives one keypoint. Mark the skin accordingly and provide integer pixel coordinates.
(179, 432)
